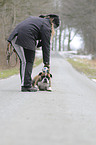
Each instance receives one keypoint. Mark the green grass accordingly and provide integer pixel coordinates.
(37, 62)
(8, 72)
(88, 67)
(12, 71)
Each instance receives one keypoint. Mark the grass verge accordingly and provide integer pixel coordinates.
(8, 72)
(12, 71)
(88, 67)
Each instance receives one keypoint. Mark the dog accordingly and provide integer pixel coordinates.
(43, 80)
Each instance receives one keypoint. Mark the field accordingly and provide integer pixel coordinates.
(88, 67)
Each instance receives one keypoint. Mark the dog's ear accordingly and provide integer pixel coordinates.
(51, 75)
(40, 73)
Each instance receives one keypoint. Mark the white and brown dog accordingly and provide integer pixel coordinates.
(43, 80)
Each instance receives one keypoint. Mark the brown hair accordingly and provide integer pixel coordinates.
(53, 31)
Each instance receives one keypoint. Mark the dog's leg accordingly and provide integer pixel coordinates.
(50, 82)
(36, 80)
(49, 88)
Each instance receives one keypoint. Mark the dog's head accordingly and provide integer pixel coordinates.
(45, 75)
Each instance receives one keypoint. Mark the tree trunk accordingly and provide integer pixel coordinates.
(56, 41)
(69, 39)
(60, 31)
(64, 39)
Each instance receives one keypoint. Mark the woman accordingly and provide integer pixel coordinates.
(23, 39)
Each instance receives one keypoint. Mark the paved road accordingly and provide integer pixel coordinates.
(66, 116)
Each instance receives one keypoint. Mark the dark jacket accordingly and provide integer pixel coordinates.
(31, 30)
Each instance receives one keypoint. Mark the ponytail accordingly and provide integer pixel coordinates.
(53, 32)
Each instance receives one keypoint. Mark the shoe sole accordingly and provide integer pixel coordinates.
(28, 90)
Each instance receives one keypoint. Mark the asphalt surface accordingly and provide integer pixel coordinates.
(65, 116)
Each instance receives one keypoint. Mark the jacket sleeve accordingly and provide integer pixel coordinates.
(45, 38)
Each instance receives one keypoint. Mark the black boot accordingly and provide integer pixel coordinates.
(28, 89)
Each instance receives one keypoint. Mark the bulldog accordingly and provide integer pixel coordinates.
(43, 80)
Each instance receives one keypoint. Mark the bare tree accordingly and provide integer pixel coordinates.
(14, 11)
(75, 14)
(81, 15)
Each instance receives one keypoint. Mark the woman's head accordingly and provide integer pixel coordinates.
(55, 22)
(54, 19)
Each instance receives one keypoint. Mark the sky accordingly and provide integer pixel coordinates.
(77, 43)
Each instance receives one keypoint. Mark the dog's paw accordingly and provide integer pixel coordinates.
(49, 89)
(36, 87)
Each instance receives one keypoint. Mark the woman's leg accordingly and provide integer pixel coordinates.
(26, 64)
(29, 55)
(20, 52)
